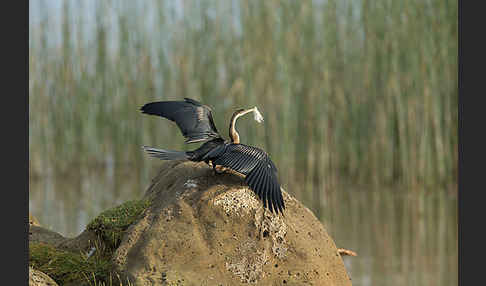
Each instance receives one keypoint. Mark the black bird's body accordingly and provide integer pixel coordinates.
(196, 124)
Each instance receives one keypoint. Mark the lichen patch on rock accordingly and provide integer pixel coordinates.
(273, 226)
(237, 201)
(248, 264)
(190, 184)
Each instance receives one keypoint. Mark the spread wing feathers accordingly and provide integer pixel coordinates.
(260, 172)
(166, 154)
(194, 119)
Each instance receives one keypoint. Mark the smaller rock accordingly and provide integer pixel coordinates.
(38, 278)
(40, 234)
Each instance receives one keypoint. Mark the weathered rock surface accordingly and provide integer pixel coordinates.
(38, 278)
(206, 229)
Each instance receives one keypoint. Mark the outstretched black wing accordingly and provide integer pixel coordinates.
(255, 164)
(193, 118)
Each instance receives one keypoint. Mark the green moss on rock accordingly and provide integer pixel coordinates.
(67, 267)
(72, 267)
(111, 224)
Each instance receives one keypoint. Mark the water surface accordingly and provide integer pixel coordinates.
(402, 237)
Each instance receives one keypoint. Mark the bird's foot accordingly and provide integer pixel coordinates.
(219, 169)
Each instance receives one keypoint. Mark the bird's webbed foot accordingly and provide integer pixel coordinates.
(219, 169)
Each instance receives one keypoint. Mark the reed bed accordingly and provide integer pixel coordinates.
(362, 92)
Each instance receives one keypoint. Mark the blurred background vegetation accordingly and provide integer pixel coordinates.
(357, 95)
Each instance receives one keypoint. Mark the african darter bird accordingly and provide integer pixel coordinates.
(195, 121)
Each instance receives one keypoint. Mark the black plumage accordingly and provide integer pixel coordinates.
(196, 123)
(193, 118)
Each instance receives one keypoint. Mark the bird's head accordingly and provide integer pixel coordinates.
(256, 114)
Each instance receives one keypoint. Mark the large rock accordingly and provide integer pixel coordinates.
(206, 229)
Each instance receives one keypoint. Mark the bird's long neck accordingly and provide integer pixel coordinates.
(233, 134)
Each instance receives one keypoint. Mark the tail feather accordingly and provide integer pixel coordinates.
(165, 154)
